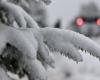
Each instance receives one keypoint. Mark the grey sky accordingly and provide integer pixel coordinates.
(65, 9)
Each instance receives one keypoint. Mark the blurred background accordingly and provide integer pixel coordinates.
(66, 10)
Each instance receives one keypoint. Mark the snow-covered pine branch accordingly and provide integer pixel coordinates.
(28, 43)
(21, 17)
(64, 41)
(68, 43)
(36, 9)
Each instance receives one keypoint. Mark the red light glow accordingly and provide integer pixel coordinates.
(79, 21)
(98, 21)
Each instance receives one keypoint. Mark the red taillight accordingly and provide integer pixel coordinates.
(79, 21)
(98, 21)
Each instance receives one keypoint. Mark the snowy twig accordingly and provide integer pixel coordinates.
(21, 17)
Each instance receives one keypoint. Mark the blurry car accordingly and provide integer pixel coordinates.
(87, 22)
